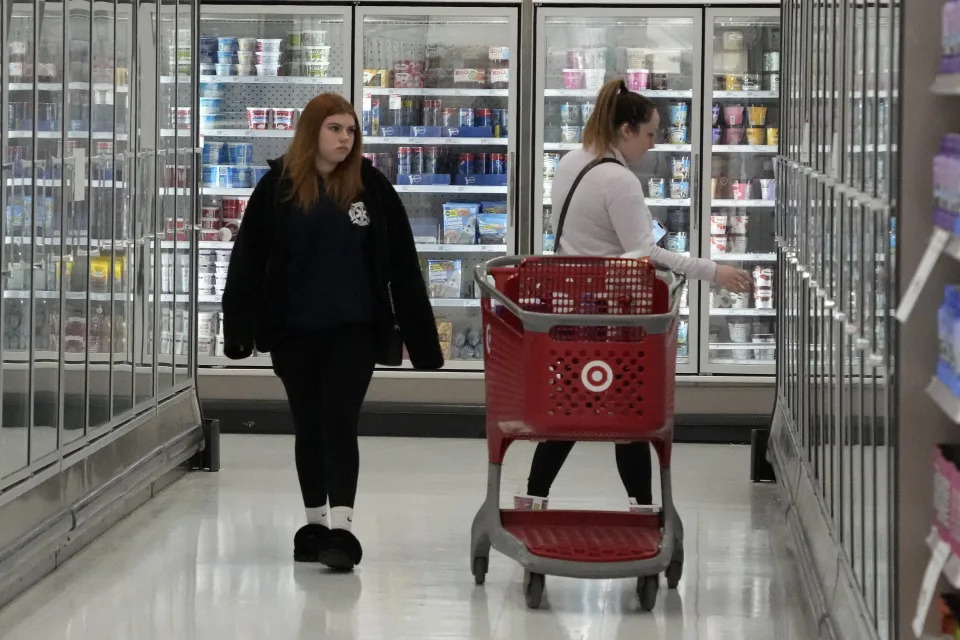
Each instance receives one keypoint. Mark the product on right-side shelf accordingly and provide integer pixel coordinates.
(460, 222)
(444, 278)
(948, 333)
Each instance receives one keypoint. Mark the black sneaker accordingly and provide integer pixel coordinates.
(309, 542)
(343, 551)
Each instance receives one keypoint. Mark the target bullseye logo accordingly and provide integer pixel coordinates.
(488, 339)
(597, 376)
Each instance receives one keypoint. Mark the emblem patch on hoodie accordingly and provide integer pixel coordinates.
(358, 214)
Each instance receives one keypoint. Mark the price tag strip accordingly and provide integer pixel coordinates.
(938, 242)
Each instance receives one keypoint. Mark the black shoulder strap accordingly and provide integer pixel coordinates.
(573, 187)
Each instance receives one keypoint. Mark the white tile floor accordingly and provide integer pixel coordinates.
(211, 557)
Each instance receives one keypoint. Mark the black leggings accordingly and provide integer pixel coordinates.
(633, 463)
(326, 376)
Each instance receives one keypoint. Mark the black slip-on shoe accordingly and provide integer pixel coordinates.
(343, 551)
(309, 541)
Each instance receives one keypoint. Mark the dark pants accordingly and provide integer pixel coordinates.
(326, 375)
(633, 463)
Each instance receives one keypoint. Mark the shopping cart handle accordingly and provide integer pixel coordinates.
(543, 322)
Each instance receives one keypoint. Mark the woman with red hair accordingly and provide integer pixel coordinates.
(325, 277)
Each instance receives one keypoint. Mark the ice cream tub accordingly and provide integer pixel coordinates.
(208, 68)
(740, 330)
(738, 224)
(315, 69)
(268, 70)
(210, 105)
(638, 79)
(228, 44)
(313, 38)
(226, 69)
(247, 44)
(269, 44)
(226, 57)
(718, 244)
(267, 57)
(737, 244)
(593, 79)
(316, 54)
(211, 89)
(209, 120)
(718, 225)
(258, 118)
(208, 235)
(573, 78)
(283, 118)
(246, 58)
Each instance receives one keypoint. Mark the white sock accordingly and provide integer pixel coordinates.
(317, 515)
(341, 518)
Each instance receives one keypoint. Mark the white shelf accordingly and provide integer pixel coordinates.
(947, 84)
(668, 202)
(208, 298)
(589, 93)
(479, 93)
(171, 191)
(52, 241)
(471, 142)
(744, 257)
(244, 133)
(451, 188)
(462, 248)
(68, 295)
(289, 80)
(213, 244)
(746, 363)
(244, 192)
(72, 86)
(743, 312)
(727, 346)
(744, 148)
(72, 135)
(454, 303)
(944, 398)
(744, 204)
(747, 95)
(573, 146)
(27, 182)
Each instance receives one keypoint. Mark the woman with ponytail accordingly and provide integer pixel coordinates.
(604, 214)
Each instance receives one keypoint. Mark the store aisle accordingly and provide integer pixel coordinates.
(211, 557)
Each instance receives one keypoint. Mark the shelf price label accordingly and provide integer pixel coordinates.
(937, 244)
(938, 560)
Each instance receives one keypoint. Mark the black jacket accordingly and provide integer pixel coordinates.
(252, 297)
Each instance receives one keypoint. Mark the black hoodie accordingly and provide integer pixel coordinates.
(254, 297)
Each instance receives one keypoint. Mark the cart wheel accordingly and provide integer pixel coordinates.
(480, 569)
(647, 588)
(533, 584)
(674, 573)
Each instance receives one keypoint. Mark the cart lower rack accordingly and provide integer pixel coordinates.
(579, 349)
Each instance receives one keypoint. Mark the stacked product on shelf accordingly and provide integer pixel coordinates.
(463, 344)
(226, 56)
(230, 165)
(446, 66)
(728, 129)
(948, 330)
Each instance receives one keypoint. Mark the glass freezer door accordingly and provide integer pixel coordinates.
(437, 95)
(259, 66)
(657, 52)
(742, 87)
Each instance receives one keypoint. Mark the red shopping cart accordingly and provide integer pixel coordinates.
(579, 349)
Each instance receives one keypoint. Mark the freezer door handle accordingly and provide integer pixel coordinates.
(695, 191)
(510, 189)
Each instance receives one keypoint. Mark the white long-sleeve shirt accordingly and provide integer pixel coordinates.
(608, 216)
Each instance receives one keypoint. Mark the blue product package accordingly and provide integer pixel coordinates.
(209, 175)
(240, 152)
(228, 44)
(239, 177)
(213, 152)
(492, 228)
(460, 222)
(210, 120)
(424, 230)
(258, 173)
(210, 105)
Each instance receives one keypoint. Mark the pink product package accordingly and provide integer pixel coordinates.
(733, 115)
(258, 118)
(946, 174)
(573, 78)
(283, 119)
(637, 79)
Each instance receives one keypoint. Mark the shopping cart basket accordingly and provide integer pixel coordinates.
(579, 349)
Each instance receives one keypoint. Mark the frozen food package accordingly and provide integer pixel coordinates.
(473, 336)
(460, 338)
(460, 222)
(424, 230)
(492, 228)
(494, 207)
(444, 278)
(445, 333)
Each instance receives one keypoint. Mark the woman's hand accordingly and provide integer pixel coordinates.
(732, 279)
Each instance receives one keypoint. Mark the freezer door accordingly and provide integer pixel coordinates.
(437, 92)
(657, 52)
(741, 85)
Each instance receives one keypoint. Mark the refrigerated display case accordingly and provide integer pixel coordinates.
(436, 87)
(658, 52)
(259, 66)
(87, 407)
(741, 86)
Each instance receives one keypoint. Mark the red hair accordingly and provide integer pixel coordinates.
(344, 184)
